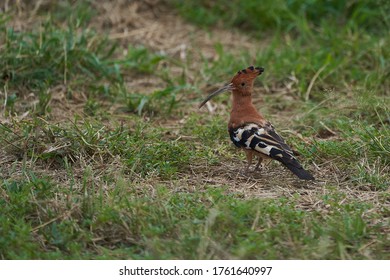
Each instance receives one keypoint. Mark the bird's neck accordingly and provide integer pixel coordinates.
(243, 111)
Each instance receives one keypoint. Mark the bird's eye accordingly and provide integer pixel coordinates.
(242, 84)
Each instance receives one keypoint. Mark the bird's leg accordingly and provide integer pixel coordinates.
(249, 156)
(259, 163)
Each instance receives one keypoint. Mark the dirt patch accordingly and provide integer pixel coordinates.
(154, 25)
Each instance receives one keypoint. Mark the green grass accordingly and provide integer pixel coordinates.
(105, 156)
(286, 16)
(191, 226)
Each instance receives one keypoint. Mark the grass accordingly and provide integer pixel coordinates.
(105, 155)
(192, 226)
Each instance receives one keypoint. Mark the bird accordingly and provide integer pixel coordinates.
(250, 131)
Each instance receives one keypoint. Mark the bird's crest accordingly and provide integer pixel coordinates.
(247, 75)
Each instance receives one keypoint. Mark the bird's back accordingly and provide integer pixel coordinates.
(267, 142)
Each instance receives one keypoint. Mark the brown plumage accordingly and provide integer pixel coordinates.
(250, 131)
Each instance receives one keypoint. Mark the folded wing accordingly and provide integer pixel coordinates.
(265, 140)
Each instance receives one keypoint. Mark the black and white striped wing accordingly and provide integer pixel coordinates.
(265, 140)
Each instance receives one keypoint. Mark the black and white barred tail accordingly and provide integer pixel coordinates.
(266, 141)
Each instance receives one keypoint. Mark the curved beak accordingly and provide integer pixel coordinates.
(215, 93)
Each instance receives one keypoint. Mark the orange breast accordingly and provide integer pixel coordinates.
(244, 112)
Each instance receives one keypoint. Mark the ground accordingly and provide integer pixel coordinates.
(106, 154)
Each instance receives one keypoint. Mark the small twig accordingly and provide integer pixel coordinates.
(367, 245)
(313, 81)
(12, 144)
(256, 220)
(317, 106)
(327, 128)
(52, 220)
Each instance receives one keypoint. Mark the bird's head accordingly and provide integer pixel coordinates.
(242, 83)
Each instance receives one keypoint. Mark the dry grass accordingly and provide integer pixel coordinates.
(153, 24)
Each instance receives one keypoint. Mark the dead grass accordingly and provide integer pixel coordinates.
(153, 24)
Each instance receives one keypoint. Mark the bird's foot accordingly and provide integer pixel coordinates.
(258, 167)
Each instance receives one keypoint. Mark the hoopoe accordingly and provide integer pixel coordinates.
(250, 131)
